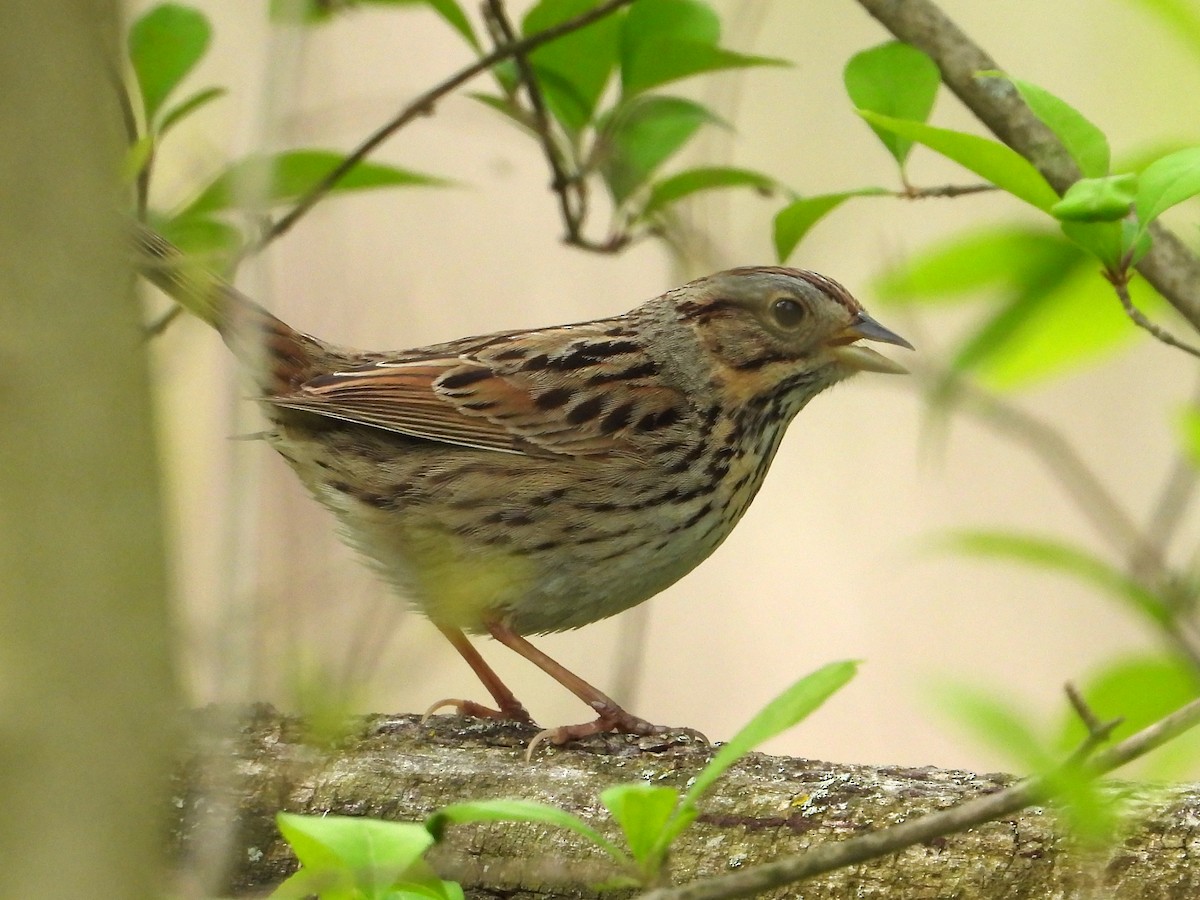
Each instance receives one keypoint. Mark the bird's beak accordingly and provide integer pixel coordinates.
(863, 359)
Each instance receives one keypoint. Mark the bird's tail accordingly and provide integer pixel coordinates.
(282, 356)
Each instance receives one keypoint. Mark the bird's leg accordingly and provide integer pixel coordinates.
(509, 706)
(610, 716)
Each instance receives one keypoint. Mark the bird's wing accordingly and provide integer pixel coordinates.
(577, 390)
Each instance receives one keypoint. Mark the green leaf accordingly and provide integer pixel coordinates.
(1084, 141)
(642, 135)
(691, 181)
(518, 811)
(1104, 199)
(785, 711)
(894, 80)
(795, 220)
(369, 853)
(312, 12)
(642, 811)
(1055, 555)
(165, 43)
(1109, 242)
(1006, 257)
(187, 106)
(995, 162)
(284, 177)
(574, 69)
(666, 61)
(208, 242)
(1189, 433)
(1167, 182)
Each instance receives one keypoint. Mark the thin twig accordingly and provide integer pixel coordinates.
(1173, 500)
(1098, 732)
(827, 856)
(1120, 283)
(423, 105)
(944, 190)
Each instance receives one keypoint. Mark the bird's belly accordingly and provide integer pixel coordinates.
(471, 537)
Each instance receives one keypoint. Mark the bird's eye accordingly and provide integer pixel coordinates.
(788, 313)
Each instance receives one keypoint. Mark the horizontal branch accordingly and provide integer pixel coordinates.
(765, 808)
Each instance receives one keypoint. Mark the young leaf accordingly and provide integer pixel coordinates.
(684, 184)
(1166, 182)
(208, 242)
(574, 69)
(371, 852)
(663, 61)
(795, 220)
(995, 162)
(893, 80)
(785, 711)
(1109, 242)
(641, 136)
(165, 43)
(283, 177)
(1084, 141)
(1051, 553)
(187, 106)
(518, 811)
(642, 811)
(1181, 18)
(1189, 432)
(1104, 199)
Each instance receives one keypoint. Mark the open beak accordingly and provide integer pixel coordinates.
(863, 359)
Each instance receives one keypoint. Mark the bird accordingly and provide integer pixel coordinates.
(538, 480)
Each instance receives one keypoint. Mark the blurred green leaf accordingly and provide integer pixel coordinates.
(1189, 432)
(1084, 141)
(641, 135)
(667, 40)
(691, 181)
(312, 12)
(284, 177)
(642, 811)
(1181, 18)
(1007, 257)
(1104, 199)
(796, 219)
(1167, 182)
(165, 43)
(995, 162)
(573, 70)
(519, 811)
(208, 242)
(995, 724)
(187, 106)
(1051, 553)
(895, 80)
(794, 705)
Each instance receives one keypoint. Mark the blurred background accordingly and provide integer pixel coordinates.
(834, 559)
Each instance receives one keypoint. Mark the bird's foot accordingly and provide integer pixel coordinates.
(611, 719)
(513, 713)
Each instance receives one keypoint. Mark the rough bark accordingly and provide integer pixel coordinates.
(767, 807)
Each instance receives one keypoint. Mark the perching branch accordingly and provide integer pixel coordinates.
(1169, 265)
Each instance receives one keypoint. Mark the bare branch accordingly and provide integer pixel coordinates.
(1120, 283)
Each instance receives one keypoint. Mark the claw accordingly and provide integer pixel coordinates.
(517, 713)
(611, 719)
